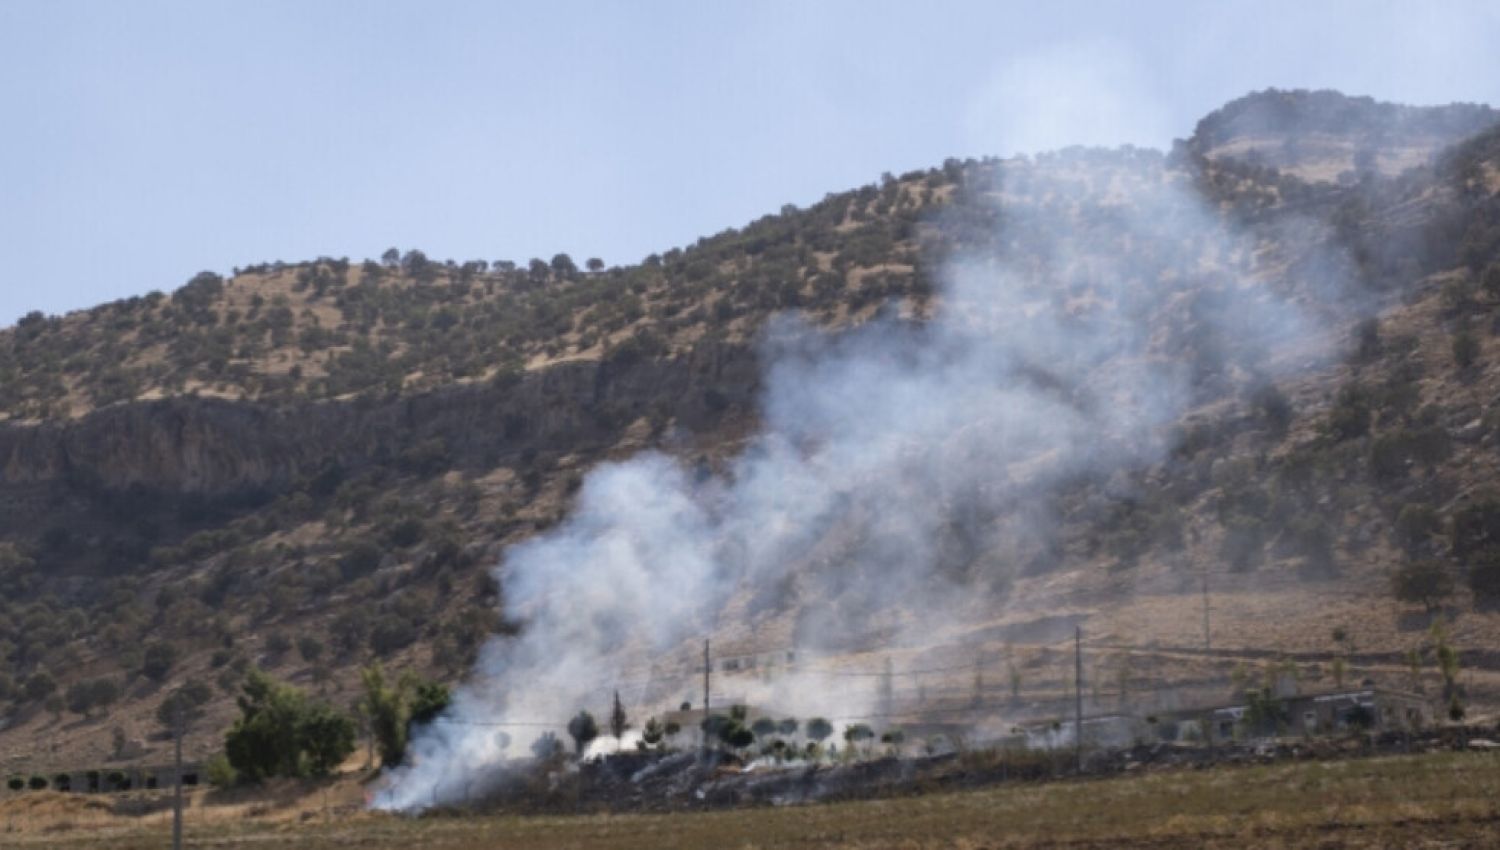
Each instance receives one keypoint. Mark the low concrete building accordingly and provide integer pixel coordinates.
(1308, 715)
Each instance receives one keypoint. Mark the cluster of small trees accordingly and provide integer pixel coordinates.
(1471, 538)
(393, 710)
(282, 732)
(733, 731)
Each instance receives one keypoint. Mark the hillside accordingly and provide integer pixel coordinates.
(308, 466)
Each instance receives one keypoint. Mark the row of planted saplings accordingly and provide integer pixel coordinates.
(94, 781)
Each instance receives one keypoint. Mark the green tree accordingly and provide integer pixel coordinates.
(582, 729)
(394, 710)
(618, 721)
(328, 737)
(818, 729)
(385, 705)
(280, 732)
(428, 700)
(1447, 659)
(653, 732)
(858, 733)
(546, 746)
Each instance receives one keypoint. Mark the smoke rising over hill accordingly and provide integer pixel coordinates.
(1108, 300)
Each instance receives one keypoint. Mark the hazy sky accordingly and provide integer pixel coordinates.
(145, 141)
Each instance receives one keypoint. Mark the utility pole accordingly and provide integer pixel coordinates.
(707, 667)
(178, 721)
(1208, 645)
(1078, 698)
(887, 690)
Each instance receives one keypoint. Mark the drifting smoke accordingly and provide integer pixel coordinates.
(1063, 344)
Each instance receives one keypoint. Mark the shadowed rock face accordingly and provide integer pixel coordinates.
(217, 449)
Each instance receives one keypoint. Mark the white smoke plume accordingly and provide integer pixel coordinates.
(1054, 351)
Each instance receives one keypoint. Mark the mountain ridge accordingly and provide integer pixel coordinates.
(377, 408)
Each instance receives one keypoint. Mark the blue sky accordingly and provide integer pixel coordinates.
(143, 142)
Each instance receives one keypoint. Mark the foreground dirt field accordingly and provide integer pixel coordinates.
(1438, 800)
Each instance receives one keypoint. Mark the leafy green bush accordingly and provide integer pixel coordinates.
(220, 773)
(280, 732)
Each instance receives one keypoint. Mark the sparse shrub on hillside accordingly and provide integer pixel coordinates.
(1475, 526)
(184, 704)
(278, 644)
(1489, 280)
(83, 697)
(1367, 344)
(1427, 582)
(1458, 295)
(406, 532)
(391, 632)
(427, 457)
(1273, 409)
(39, 686)
(158, 660)
(360, 559)
(1350, 416)
(351, 628)
(1484, 574)
(1465, 349)
(1392, 452)
(1416, 525)
(310, 648)
(1243, 543)
(1311, 535)
(15, 783)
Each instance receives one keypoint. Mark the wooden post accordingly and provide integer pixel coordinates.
(1078, 698)
(707, 667)
(178, 721)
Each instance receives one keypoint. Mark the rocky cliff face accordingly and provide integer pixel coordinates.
(224, 450)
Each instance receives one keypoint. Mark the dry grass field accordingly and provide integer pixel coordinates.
(1433, 800)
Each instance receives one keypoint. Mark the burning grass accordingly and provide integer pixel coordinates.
(1449, 798)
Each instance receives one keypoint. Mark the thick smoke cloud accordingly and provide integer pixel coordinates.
(1063, 347)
